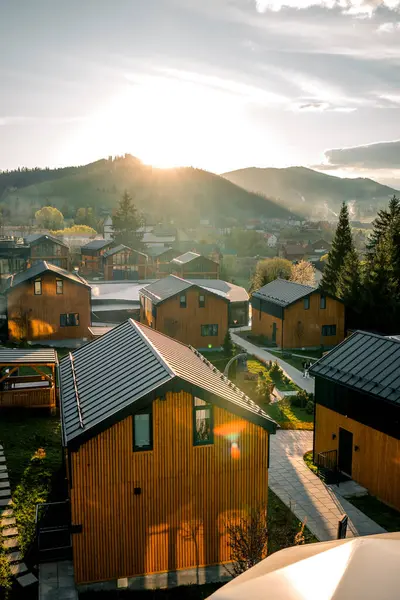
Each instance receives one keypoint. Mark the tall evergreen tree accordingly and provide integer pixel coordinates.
(342, 244)
(382, 223)
(126, 223)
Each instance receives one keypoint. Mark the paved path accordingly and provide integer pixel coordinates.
(264, 356)
(309, 498)
(56, 581)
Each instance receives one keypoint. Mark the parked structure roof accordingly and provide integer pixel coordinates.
(234, 293)
(366, 362)
(172, 285)
(120, 248)
(94, 394)
(9, 356)
(42, 267)
(35, 237)
(283, 292)
(183, 259)
(96, 245)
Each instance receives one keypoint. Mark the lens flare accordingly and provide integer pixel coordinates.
(235, 451)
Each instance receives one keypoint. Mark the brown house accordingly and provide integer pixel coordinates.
(122, 262)
(185, 311)
(156, 471)
(194, 266)
(47, 303)
(357, 413)
(45, 247)
(292, 315)
(160, 261)
(293, 252)
(92, 256)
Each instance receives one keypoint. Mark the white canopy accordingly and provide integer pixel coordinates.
(366, 568)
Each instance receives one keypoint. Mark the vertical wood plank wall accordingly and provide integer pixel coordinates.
(38, 317)
(376, 465)
(187, 493)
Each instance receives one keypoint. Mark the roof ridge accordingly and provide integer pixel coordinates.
(138, 328)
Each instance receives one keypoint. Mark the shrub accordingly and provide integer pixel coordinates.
(248, 539)
(310, 407)
(265, 387)
(228, 344)
(275, 368)
(301, 399)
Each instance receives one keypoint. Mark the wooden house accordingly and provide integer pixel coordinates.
(292, 315)
(185, 311)
(122, 262)
(14, 257)
(160, 261)
(32, 387)
(293, 252)
(47, 303)
(46, 247)
(194, 266)
(357, 413)
(162, 451)
(92, 257)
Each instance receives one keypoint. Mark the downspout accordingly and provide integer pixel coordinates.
(283, 319)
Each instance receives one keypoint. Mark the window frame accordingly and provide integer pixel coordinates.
(322, 302)
(148, 410)
(58, 282)
(195, 410)
(39, 281)
(202, 303)
(306, 303)
(67, 319)
(331, 328)
(209, 334)
(184, 303)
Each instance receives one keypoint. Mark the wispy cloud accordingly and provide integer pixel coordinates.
(347, 7)
(388, 27)
(378, 155)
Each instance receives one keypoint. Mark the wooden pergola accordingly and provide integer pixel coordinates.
(28, 378)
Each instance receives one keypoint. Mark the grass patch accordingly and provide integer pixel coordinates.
(32, 447)
(308, 459)
(378, 511)
(283, 525)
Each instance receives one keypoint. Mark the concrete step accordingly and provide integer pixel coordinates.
(6, 512)
(7, 522)
(3, 475)
(26, 580)
(4, 483)
(14, 557)
(3, 468)
(5, 493)
(18, 568)
(2, 459)
(10, 532)
(11, 544)
(4, 502)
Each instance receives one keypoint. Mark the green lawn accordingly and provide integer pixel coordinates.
(386, 517)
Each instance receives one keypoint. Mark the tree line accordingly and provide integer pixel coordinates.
(369, 286)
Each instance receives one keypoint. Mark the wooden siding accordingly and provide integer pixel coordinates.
(122, 265)
(35, 317)
(301, 327)
(187, 493)
(51, 252)
(376, 465)
(184, 324)
(199, 268)
(28, 398)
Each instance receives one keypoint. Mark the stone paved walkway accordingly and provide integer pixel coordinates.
(56, 581)
(264, 356)
(309, 498)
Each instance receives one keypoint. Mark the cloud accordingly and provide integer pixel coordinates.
(361, 8)
(321, 107)
(380, 155)
(388, 27)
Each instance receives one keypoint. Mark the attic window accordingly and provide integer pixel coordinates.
(38, 287)
(202, 300)
(307, 303)
(322, 303)
(182, 301)
(202, 422)
(59, 286)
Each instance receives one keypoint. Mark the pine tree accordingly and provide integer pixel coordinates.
(348, 287)
(382, 223)
(126, 223)
(342, 244)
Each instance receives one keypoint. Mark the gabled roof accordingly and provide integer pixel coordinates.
(283, 292)
(183, 259)
(294, 249)
(170, 286)
(42, 267)
(234, 293)
(9, 356)
(123, 370)
(33, 238)
(120, 248)
(366, 362)
(97, 245)
(156, 251)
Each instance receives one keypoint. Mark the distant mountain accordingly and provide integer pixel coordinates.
(183, 194)
(313, 193)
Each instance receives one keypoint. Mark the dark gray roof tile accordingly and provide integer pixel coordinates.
(27, 355)
(283, 292)
(42, 267)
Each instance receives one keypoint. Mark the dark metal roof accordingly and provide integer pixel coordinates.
(106, 377)
(234, 293)
(97, 245)
(172, 285)
(36, 237)
(120, 248)
(42, 267)
(185, 258)
(283, 292)
(365, 361)
(27, 355)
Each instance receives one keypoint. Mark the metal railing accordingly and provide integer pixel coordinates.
(53, 531)
(327, 463)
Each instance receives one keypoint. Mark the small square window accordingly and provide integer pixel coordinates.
(306, 303)
(59, 286)
(143, 430)
(322, 303)
(328, 330)
(202, 300)
(182, 301)
(209, 330)
(202, 423)
(38, 287)
(69, 320)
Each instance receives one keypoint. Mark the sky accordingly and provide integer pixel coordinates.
(216, 84)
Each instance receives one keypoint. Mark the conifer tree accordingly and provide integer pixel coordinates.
(342, 244)
(349, 283)
(126, 223)
(382, 223)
